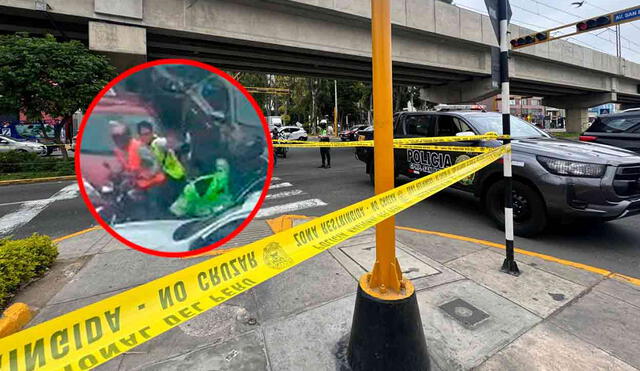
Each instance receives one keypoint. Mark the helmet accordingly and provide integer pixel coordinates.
(222, 165)
(120, 133)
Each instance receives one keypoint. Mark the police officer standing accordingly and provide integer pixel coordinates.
(275, 135)
(325, 152)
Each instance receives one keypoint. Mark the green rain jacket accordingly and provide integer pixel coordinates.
(204, 196)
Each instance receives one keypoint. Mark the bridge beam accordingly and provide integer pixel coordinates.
(580, 100)
(461, 92)
(125, 46)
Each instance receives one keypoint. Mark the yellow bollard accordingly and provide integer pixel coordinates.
(386, 277)
(386, 332)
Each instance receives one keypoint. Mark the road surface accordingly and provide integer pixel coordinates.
(300, 187)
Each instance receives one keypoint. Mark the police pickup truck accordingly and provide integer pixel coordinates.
(553, 179)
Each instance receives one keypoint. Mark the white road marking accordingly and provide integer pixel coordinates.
(274, 178)
(276, 196)
(292, 206)
(30, 209)
(280, 185)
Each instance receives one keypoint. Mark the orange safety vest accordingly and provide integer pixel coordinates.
(132, 163)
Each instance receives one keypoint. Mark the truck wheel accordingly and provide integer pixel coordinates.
(529, 213)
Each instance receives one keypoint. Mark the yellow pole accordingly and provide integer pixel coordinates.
(386, 276)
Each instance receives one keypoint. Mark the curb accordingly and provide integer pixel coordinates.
(37, 180)
(60, 239)
(284, 222)
(14, 319)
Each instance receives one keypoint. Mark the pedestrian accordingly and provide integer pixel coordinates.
(325, 152)
(274, 137)
(330, 130)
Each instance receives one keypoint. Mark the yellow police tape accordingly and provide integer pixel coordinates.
(403, 146)
(94, 334)
(279, 143)
(445, 148)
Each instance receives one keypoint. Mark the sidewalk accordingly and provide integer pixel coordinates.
(551, 317)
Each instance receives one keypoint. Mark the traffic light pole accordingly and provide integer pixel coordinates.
(509, 265)
(606, 20)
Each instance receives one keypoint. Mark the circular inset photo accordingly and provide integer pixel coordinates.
(173, 158)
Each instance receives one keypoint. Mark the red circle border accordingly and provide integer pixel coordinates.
(130, 72)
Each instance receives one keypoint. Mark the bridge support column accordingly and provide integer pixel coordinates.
(125, 46)
(576, 106)
(577, 120)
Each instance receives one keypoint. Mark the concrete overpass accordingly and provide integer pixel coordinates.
(438, 46)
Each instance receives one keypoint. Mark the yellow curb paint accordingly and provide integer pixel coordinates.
(622, 277)
(283, 222)
(570, 263)
(37, 180)
(453, 236)
(76, 233)
(286, 221)
(14, 318)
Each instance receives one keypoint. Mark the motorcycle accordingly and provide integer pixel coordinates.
(181, 235)
(114, 200)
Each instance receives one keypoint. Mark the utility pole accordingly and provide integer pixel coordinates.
(509, 265)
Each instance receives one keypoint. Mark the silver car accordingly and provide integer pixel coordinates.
(9, 144)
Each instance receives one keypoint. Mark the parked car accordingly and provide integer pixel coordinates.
(352, 133)
(553, 179)
(10, 144)
(294, 132)
(617, 129)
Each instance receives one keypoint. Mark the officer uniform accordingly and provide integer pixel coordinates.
(325, 152)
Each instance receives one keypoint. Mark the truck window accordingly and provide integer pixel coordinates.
(449, 126)
(420, 125)
(629, 124)
(397, 129)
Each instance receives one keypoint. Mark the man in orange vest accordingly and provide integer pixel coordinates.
(135, 156)
(137, 160)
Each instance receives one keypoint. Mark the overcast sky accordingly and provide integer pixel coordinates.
(545, 14)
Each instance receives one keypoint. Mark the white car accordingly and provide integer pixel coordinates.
(294, 132)
(9, 144)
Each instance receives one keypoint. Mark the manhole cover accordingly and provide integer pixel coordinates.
(465, 313)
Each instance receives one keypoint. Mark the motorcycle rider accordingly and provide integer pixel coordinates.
(139, 162)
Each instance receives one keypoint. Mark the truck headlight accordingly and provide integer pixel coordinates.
(571, 168)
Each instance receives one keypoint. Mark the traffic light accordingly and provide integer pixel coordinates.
(529, 39)
(593, 23)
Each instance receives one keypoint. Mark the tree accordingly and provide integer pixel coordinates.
(41, 75)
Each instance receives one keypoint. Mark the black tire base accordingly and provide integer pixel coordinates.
(387, 335)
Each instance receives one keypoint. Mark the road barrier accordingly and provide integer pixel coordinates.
(94, 334)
